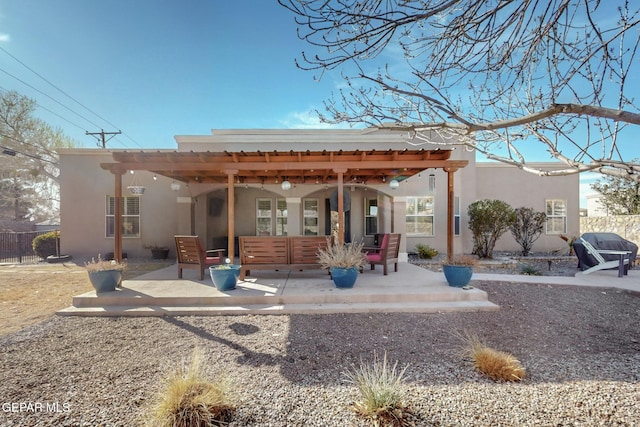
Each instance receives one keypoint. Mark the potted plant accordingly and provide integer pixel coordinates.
(105, 275)
(458, 270)
(225, 276)
(343, 261)
(158, 252)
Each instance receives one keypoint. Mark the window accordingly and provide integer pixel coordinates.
(130, 216)
(310, 217)
(264, 217)
(281, 217)
(420, 216)
(556, 216)
(370, 217)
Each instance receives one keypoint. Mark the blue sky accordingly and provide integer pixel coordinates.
(155, 69)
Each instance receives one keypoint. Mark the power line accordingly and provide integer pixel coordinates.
(57, 88)
(58, 102)
(2, 89)
(48, 96)
(12, 151)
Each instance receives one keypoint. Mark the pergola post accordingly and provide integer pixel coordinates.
(231, 227)
(117, 232)
(340, 206)
(450, 206)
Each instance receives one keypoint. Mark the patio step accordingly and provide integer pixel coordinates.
(212, 310)
(340, 297)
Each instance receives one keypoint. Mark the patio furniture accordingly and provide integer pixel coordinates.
(621, 259)
(191, 254)
(279, 253)
(386, 253)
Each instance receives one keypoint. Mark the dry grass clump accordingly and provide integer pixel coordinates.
(342, 255)
(381, 389)
(187, 399)
(461, 260)
(104, 265)
(495, 364)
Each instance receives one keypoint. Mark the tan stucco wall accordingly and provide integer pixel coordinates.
(84, 187)
(523, 189)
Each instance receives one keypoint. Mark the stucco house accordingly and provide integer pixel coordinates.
(288, 182)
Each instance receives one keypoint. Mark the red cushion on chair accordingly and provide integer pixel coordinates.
(385, 241)
(374, 257)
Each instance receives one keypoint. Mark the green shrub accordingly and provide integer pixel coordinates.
(529, 270)
(381, 391)
(44, 245)
(488, 220)
(527, 227)
(426, 251)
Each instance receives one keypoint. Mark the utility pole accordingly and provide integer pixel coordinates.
(102, 134)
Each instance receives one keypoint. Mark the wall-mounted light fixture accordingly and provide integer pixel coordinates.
(432, 182)
(393, 184)
(175, 186)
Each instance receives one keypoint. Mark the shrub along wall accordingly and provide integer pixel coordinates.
(627, 226)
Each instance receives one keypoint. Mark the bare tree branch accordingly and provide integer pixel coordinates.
(493, 76)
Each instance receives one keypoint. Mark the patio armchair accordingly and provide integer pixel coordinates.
(191, 254)
(386, 253)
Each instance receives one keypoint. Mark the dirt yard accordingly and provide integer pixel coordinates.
(31, 293)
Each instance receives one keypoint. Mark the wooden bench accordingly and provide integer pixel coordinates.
(279, 253)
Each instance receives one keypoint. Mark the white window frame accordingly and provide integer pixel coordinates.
(130, 221)
(368, 215)
(281, 217)
(418, 214)
(262, 216)
(552, 214)
(309, 214)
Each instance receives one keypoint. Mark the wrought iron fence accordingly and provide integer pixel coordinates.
(16, 247)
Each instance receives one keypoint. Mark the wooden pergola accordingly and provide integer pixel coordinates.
(368, 167)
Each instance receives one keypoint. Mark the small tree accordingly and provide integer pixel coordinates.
(620, 196)
(488, 220)
(527, 227)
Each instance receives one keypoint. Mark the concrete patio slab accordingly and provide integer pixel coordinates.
(411, 289)
(160, 293)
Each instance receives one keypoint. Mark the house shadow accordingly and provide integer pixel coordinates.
(556, 342)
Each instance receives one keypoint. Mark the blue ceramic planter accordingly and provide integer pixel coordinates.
(457, 275)
(344, 277)
(106, 280)
(225, 279)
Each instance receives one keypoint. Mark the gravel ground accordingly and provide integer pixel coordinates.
(581, 349)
